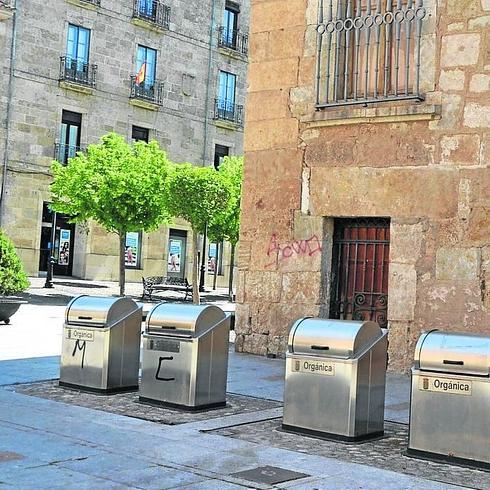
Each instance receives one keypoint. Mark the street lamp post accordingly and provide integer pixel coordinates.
(203, 261)
(49, 275)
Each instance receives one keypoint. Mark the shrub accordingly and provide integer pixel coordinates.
(13, 279)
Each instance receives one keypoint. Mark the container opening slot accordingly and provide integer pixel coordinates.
(85, 318)
(320, 347)
(453, 363)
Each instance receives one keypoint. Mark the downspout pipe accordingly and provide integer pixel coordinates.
(13, 51)
(208, 84)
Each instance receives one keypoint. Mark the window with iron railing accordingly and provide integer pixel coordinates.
(63, 152)
(233, 39)
(153, 11)
(77, 71)
(368, 51)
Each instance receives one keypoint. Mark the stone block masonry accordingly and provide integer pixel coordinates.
(183, 124)
(424, 165)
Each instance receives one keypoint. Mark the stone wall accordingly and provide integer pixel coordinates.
(183, 126)
(425, 165)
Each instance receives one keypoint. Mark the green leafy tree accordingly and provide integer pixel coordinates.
(196, 194)
(225, 225)
(121, 186)
(13, 279)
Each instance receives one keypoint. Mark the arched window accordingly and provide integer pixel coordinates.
(368, 51)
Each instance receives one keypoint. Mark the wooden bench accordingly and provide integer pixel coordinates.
(162, 283)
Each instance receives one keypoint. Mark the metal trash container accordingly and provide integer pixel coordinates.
(450, 402)
(101, 344)
(185, 356)
(335, 379)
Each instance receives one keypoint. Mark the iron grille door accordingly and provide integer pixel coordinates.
(360, 263)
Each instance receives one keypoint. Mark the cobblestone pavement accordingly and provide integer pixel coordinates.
(127, 404)
(387, 453)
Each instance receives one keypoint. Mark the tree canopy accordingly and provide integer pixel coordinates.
(225, 224)
(121, 186)
(197, 194)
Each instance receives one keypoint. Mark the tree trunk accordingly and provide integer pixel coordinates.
(122, 262)
(195, 270)
(232, 268)
(216, 264)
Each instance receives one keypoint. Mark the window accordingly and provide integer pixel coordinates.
(78, 43)
(220, 152)
(69, 144)
(132, 257)
(146, 65)
(140, 134)
(147, 7)
(75, 65)
(226, 93)
(215, 258)
(230, 25)
(368, 51)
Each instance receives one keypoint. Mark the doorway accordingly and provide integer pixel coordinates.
(63, 244)
(177, 248)
(360, 266)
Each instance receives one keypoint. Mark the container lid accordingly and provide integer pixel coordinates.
(183, 320)
(332, 338)
(99, 311)
(451, 352)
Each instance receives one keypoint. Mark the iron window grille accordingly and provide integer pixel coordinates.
(368, 51)
(151, 91)
(9, 4)
(62, 153)
(153, 11)
(233, 39)
(78, 71)
(227, 111)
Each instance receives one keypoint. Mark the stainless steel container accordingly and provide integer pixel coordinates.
(335, 379)
(450, 402)
(101, 344)
(185, 356)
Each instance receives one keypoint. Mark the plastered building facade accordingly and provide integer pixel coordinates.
(68, 71)
(367, 183)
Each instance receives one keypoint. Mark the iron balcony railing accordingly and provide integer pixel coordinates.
(77, 71)
(153, 11)
(227, 111)
(368, 51)
(63, 152)
(93, 2)
(150, 91)
(233, 39)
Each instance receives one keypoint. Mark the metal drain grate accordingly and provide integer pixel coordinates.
(269, 475)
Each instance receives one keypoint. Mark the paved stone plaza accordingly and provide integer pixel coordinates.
(52, 438)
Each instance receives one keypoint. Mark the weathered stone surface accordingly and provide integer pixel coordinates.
(477, 115)
(406, 242)
(480, 82)
(452, 80)
(272, 134)
(458, 264)
(463, 8)
(273, 75)
(301, 287)
(376, 192)
(460, 50)
(460, 149)
(403, 292)
(263, 286)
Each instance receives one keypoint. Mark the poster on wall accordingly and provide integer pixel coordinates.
(64, 250)
(132, 248)
(212, 257)
(174, 254)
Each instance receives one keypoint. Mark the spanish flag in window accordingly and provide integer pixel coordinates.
(141, 75)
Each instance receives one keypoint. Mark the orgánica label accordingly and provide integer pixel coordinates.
(445, 385)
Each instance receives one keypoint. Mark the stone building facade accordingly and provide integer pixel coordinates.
(69, 74)
(367, 169)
